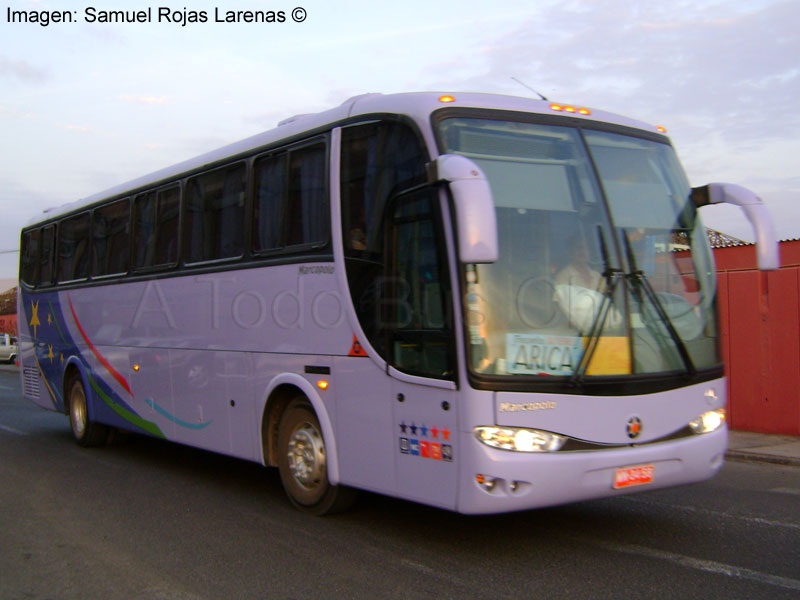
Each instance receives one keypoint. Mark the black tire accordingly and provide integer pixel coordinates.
(302, 462)
(85, 432)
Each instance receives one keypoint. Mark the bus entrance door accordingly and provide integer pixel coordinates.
(425, 431)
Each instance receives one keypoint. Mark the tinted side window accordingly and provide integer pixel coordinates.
(144, 230)
(214, 215)
(270, 202)
(111, 237)
(167, 219)
(307, 218)
(47, 255)
(155, 228)
(73, 247)
(415, 297)
(378, 160)
(29, 258)
(290, 206)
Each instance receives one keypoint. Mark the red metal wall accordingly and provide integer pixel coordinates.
(760, 323)
(8, 324)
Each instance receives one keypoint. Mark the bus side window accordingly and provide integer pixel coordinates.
(307, 216)
(29, 262)
(47, 255)
(377, 161)
(73, 247)
(270, 202)
(415, 304)
(111, 239)
(144, 230)
(290, 205)
(155, 228)
(168, 212)
(215, 215)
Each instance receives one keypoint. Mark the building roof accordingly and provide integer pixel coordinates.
(8, 284)
(717, 239)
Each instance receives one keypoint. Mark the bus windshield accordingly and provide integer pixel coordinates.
(604, 266)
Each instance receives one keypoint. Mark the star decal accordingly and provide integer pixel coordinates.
(34, 322)
(50, 354)
(403, 426)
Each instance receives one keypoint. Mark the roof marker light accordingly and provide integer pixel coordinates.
(446, 98)
(661, 129)
(570, 109)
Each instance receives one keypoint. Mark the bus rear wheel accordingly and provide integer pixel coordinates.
(303, 463)
(85, 432)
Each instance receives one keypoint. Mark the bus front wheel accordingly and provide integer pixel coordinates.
(85, 432)
(303, 463)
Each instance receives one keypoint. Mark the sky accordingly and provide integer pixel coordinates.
(86, 105)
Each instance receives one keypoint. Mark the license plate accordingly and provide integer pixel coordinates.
(631, 476)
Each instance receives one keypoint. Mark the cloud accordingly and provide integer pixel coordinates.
(77, 128)
(11, 113)
(151, 100)
(707, 66)
(23, 71)
(722, 76)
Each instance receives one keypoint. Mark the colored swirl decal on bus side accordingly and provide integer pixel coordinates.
(114, 373)
(123, 412)
(55, 398)
(152, 404)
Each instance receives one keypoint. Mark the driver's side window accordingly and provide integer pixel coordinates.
(391, 246)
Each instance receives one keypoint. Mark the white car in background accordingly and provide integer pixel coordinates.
(8, 348)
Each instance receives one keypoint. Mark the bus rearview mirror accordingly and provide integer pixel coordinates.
(476, 223)
(754, 209)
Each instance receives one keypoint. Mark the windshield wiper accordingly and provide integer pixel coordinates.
(612, 277)
(641, 283)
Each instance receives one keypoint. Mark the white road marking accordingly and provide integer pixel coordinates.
(12, 430)
(716, 513)
(709, 566)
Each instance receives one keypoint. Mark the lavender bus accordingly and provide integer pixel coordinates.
(477, 302)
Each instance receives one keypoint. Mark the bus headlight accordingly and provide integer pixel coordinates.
(519, 439)
(708, 421)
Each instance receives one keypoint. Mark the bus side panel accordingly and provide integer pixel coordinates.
(188, 358)
(40, 378)
(365, 440)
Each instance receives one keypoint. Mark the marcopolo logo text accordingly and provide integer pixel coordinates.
(527, 406)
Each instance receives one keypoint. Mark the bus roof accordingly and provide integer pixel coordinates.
(417, 105)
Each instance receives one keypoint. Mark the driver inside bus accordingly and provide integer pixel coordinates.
(577, 289)
(578, 272)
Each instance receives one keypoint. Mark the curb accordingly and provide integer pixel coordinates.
(741, 456)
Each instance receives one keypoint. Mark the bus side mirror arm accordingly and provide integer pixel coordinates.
(755, 211)
(476, 223)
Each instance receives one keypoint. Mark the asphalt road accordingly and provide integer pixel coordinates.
(149, 520)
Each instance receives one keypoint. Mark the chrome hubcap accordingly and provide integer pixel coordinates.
(307, 456)
(77, 410)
